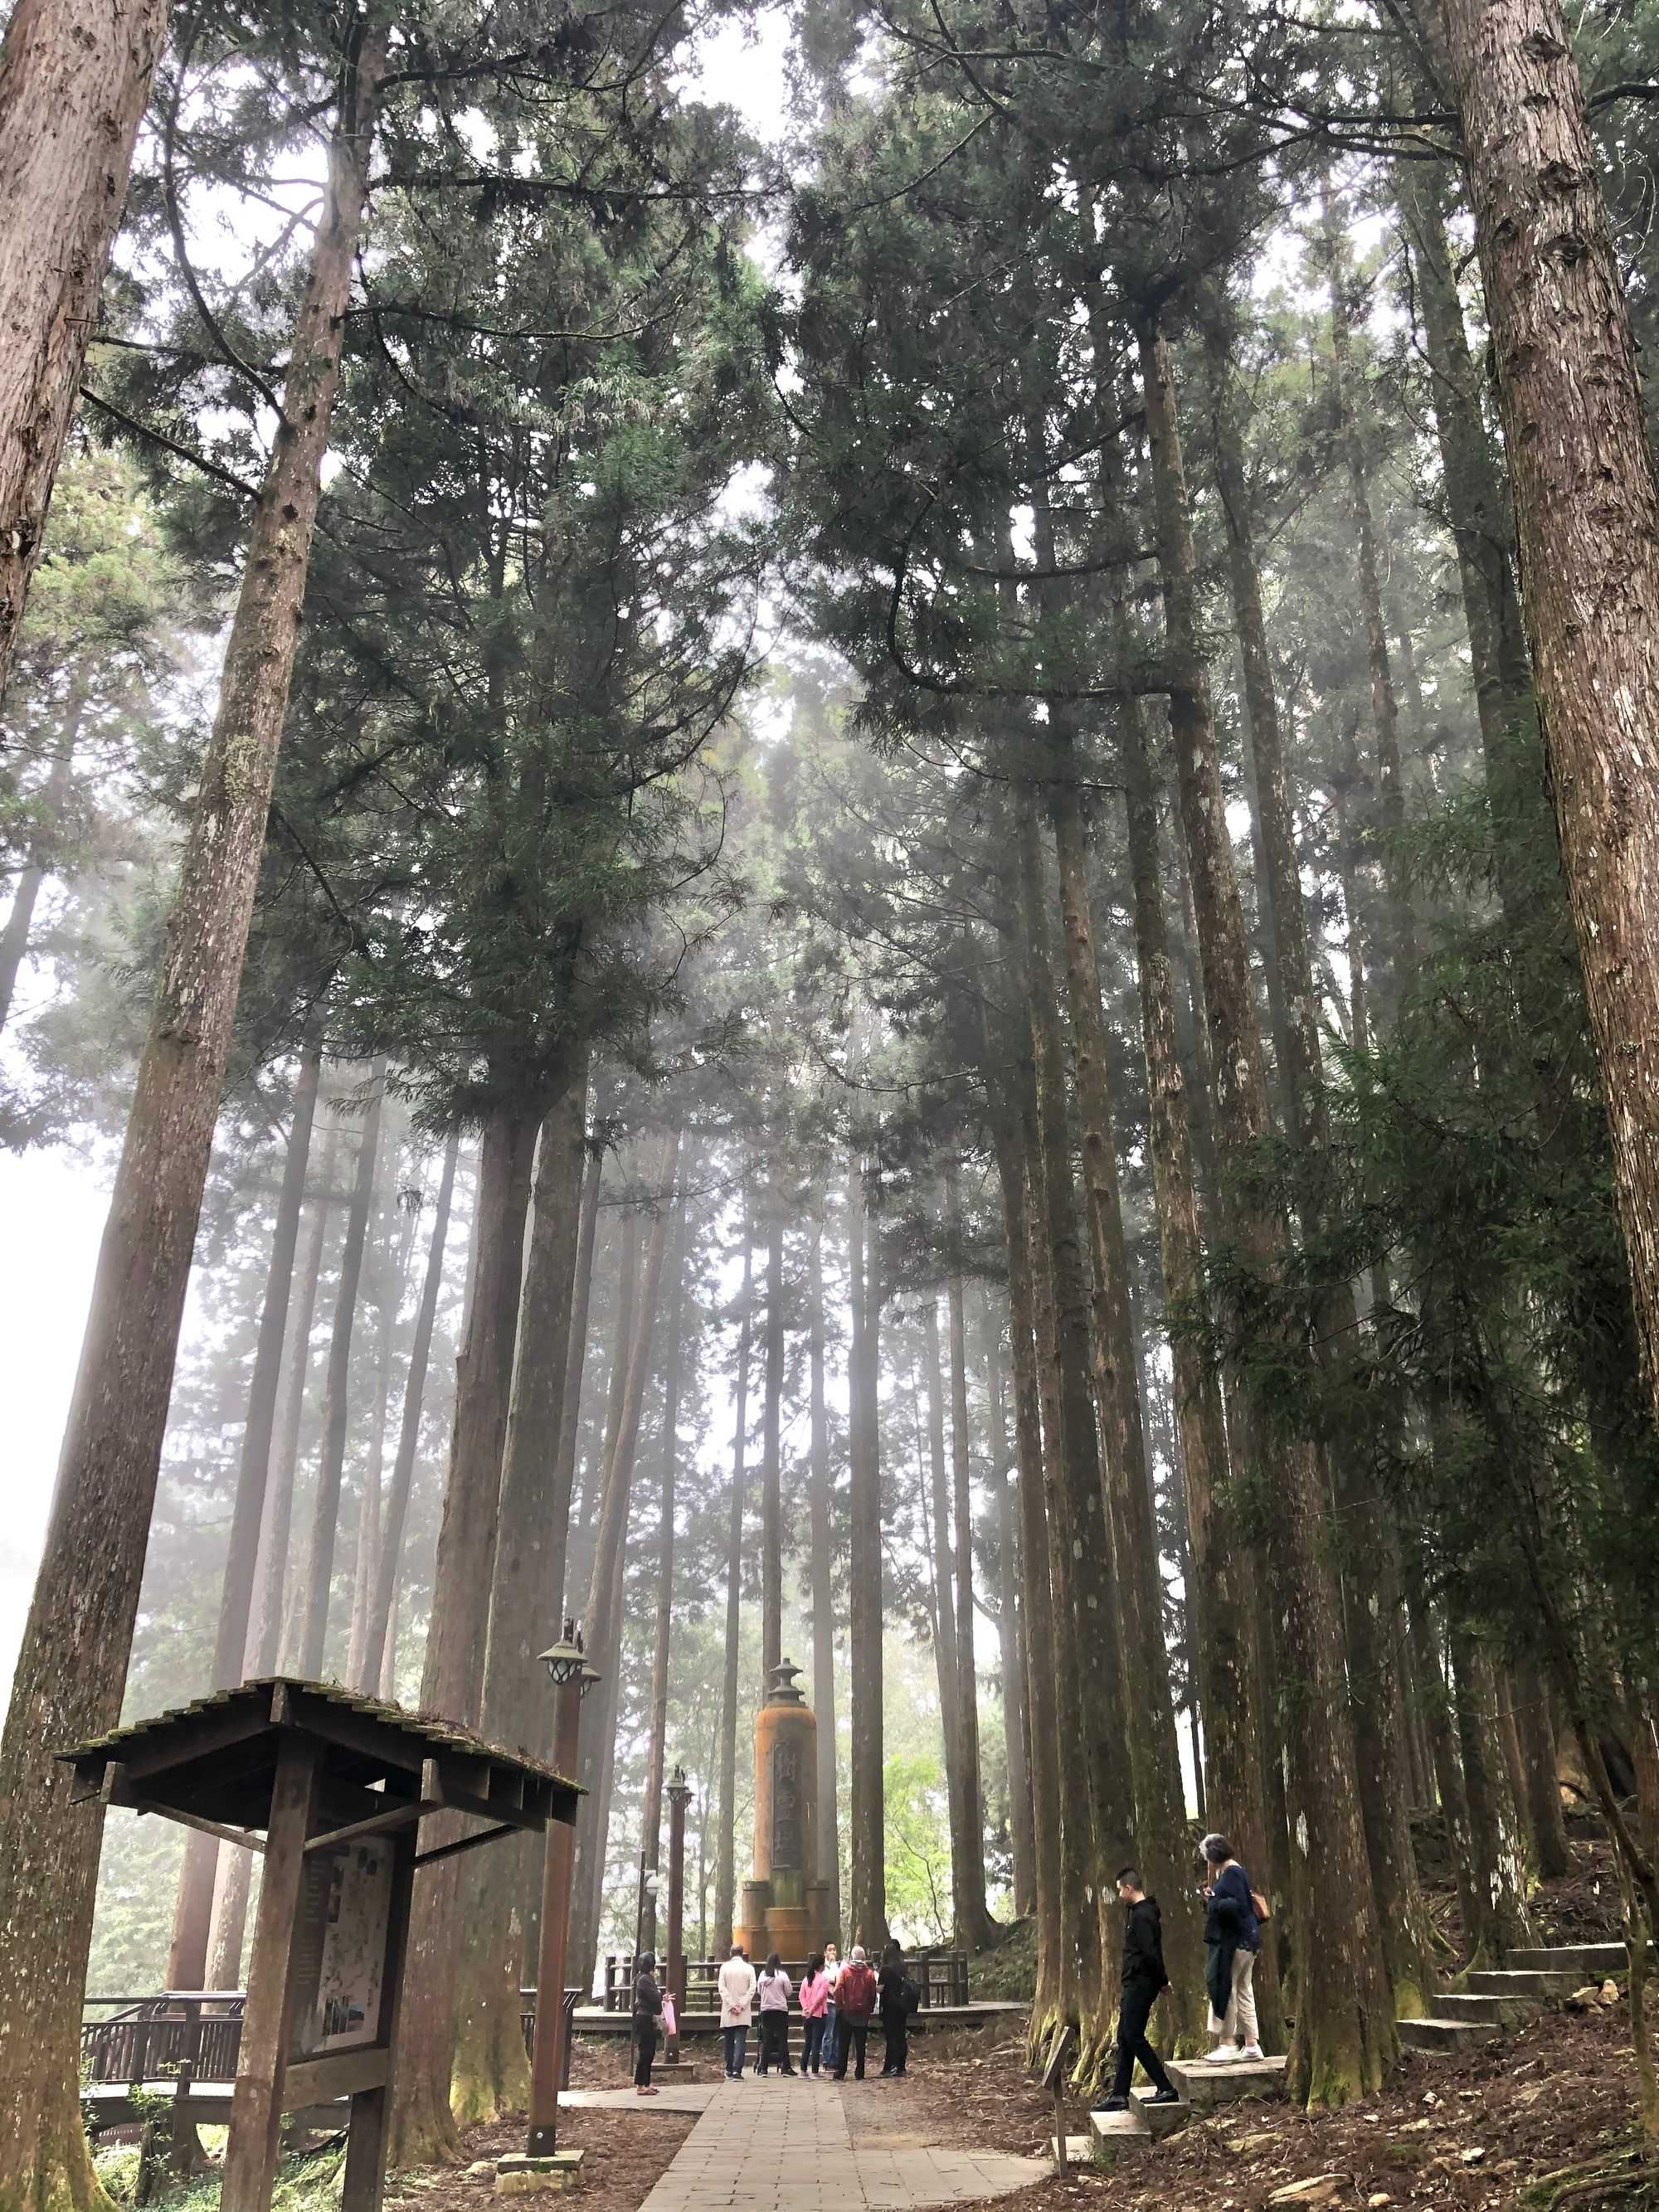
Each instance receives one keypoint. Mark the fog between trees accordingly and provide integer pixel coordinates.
(886, 893)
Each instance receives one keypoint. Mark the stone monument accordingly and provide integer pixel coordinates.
(784, 1904)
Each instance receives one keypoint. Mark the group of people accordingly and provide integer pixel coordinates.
(1233, 1913)
(838, 2001)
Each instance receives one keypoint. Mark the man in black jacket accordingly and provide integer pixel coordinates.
(1144, 1980)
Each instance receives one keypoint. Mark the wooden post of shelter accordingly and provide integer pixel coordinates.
(339, 1784)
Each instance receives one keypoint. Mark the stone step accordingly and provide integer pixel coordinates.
(1581, 1961)
(1501, 2012)
(1447, 2034)
(1207, 2087)
(1520, 1982)
(1079, 2149)
(1110, 2133)
(1162, 2119)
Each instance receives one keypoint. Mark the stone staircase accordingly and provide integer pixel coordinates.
(1492, 2001)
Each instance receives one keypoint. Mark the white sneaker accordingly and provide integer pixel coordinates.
(1223, 2055)
(1252, 2052)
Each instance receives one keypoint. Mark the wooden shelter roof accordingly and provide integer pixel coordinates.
(212, 1764)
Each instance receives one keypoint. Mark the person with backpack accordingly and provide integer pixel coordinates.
(897, 1997)
(775, 1990)
(814, 2010)
(855, 2000)
(1143, 1982)
(1232, 1940)
(647, 2011)
(736, 1989)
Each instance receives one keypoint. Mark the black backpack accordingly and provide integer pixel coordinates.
(909, 1995)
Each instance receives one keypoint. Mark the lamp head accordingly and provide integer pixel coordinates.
(565, 1661)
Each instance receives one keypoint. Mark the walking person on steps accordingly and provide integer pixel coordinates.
(1143, 1982)
(1232, 1940)
(647, 2011)
(736, 1989)
(855, 2000)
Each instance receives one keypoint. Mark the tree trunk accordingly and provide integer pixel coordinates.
(1587, 520)
(656, 1751)
(73, 1660)
(397, 1238)
(822, 1579)
(75, 79)
(725, 1883)
(603, 1614)
(451, 1681)
(336, 1395)
(977, 1928)
(1443, 1746)
(1345, 2040)
(564, 1470)
(387, 1566)
(1043, 1668)
(1235, 1738)
(1010, 1638)
(867, 1884)
(1536, 1722)
(187, 1954)
(1163, 1847)
(1496, 1873)
(771, 1448)
(1369, 1550)
(937, 1508)
(1096, 1595)
(26, 892)
(491, 2071)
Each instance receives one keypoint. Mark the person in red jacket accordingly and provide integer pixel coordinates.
(855, 2000)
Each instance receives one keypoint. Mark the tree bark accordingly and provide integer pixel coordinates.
(603, 1614)
(26, 892)
(867, 1884)
(564, 1469)
(1498, 1880)
(1043, 1665)
(772, 1447)
(396, 1240)
(937, 1510)
(1010, 1638)
(73, 1659)
(387, 1566)
(978, 1929)
(1536, 1722)
(1235, 1738)
(187, 1954)
(337, 1395)
(725, 1882)
(451, 1681)
(1345, 2040)
(1587, 521)
(75, 79)
(657, 1753)
(491, 2071)
(822, 1580)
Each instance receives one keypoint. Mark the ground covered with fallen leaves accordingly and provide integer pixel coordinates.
(625, 2152)
(1545, 2119)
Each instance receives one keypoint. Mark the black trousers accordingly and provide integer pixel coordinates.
(645, 2051)
(896, 2026)
(1135, 2011)
(851, 2036)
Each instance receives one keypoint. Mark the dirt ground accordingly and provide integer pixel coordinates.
(1506, 2126)
(625, 2153)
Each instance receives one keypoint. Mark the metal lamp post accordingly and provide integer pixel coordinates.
(572, 1679)
(679, 1796)
(648, 1885)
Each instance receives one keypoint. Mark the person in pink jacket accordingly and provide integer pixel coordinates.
(814, 2011)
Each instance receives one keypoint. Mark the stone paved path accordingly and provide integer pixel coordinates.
(785, 2145)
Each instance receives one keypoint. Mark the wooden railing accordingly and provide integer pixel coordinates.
(182, 2035)
(941, 1976)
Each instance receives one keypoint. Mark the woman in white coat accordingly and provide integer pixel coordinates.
(737, 1988)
